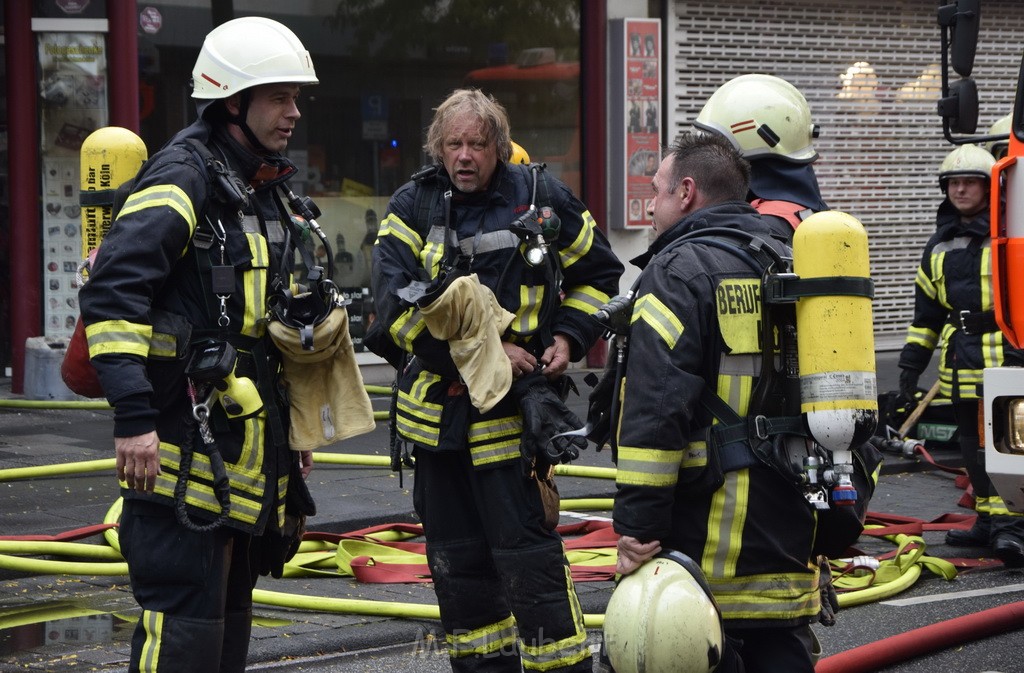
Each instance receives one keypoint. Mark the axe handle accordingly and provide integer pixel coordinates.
(918, 410)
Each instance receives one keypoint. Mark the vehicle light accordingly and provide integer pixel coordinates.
(1015, 420)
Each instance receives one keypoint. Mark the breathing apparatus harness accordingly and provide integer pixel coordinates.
(537, 229)
(215, 372)
(774, 416)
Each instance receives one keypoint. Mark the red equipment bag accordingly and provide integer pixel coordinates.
(77, 372)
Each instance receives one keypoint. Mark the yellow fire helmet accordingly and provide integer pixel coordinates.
(661, 618)
(247, 52)
(999, 148)
(966, 160)
(763, 116)
(519, 154)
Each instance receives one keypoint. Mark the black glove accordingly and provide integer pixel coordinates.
(544, 416)
(908, 388)
(599, 409)
(278, 545)
(829, 597)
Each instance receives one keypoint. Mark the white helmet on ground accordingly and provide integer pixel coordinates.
(763, 116)
(661, 618)
(247, 52)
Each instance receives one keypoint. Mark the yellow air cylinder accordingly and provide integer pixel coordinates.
(110, 156)
(835, 337)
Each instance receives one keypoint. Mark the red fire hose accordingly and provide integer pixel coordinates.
(903, 646)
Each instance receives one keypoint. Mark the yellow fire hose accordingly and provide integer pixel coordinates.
(894, 576)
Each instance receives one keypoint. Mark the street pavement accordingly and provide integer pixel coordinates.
(83, 622)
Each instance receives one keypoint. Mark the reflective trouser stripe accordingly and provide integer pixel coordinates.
(153, 623)
(485, 640)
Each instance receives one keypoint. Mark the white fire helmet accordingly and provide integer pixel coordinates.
(248, 52)
(966, 160)
(763, 116)
(999, 148)
(661, 618)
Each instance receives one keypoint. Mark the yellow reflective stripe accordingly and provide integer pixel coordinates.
(492, 428)
(726, 519)
(406, 328)
(528, 313)
(923, 281)
(163, 345)
(585, 298)
(254, 284)
(648, 467)
(559, 654)
(394, 226)
(251, 457)
(244, 508)
(153, 624)
(579, 247)
(922, 336)
(158, 196)
(987, 302)
(941, 290)
(994, 505)
(652, 311)
(485, 640)
(416, 419)
(118, 337)
(695, 455)
(767, 596)
(433, 251)
(495, 452)
(495, 440)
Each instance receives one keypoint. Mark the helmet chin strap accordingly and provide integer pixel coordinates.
(239, 120)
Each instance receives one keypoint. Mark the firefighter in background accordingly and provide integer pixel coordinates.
(768, 120)
(999, 148)
(695, 332)
(953, 306)
(191, 257)
(506, 598)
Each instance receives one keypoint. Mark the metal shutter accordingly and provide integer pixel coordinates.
(881, 139)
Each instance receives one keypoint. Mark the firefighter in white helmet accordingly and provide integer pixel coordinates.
(662, 618)
(768, 120)
(171, 310)
(953, 306)
(999, 148)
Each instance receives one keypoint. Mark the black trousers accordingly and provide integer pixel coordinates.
(502, 581)
(1001, 522)
(768, 650)
(195, 591)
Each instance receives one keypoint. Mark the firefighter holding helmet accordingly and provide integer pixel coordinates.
(768, 120)
(953, 306)
(172, 312)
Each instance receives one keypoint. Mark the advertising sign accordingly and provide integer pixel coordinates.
(73, 104)
(635, 96)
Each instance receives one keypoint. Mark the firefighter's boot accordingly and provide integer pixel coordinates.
(977, 535)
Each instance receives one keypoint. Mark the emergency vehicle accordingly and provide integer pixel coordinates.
(1003, 386)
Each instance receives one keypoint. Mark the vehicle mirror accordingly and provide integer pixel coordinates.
(964, 36)
(965, 93)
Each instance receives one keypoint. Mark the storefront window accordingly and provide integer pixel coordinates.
(383, 66)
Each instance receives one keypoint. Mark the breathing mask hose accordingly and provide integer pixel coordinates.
(304, 207)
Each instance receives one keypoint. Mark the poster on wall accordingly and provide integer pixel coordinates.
(636, 119)
(73, 104)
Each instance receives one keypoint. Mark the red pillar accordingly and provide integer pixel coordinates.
(24, 183)
(123, 64)
(594, 125)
